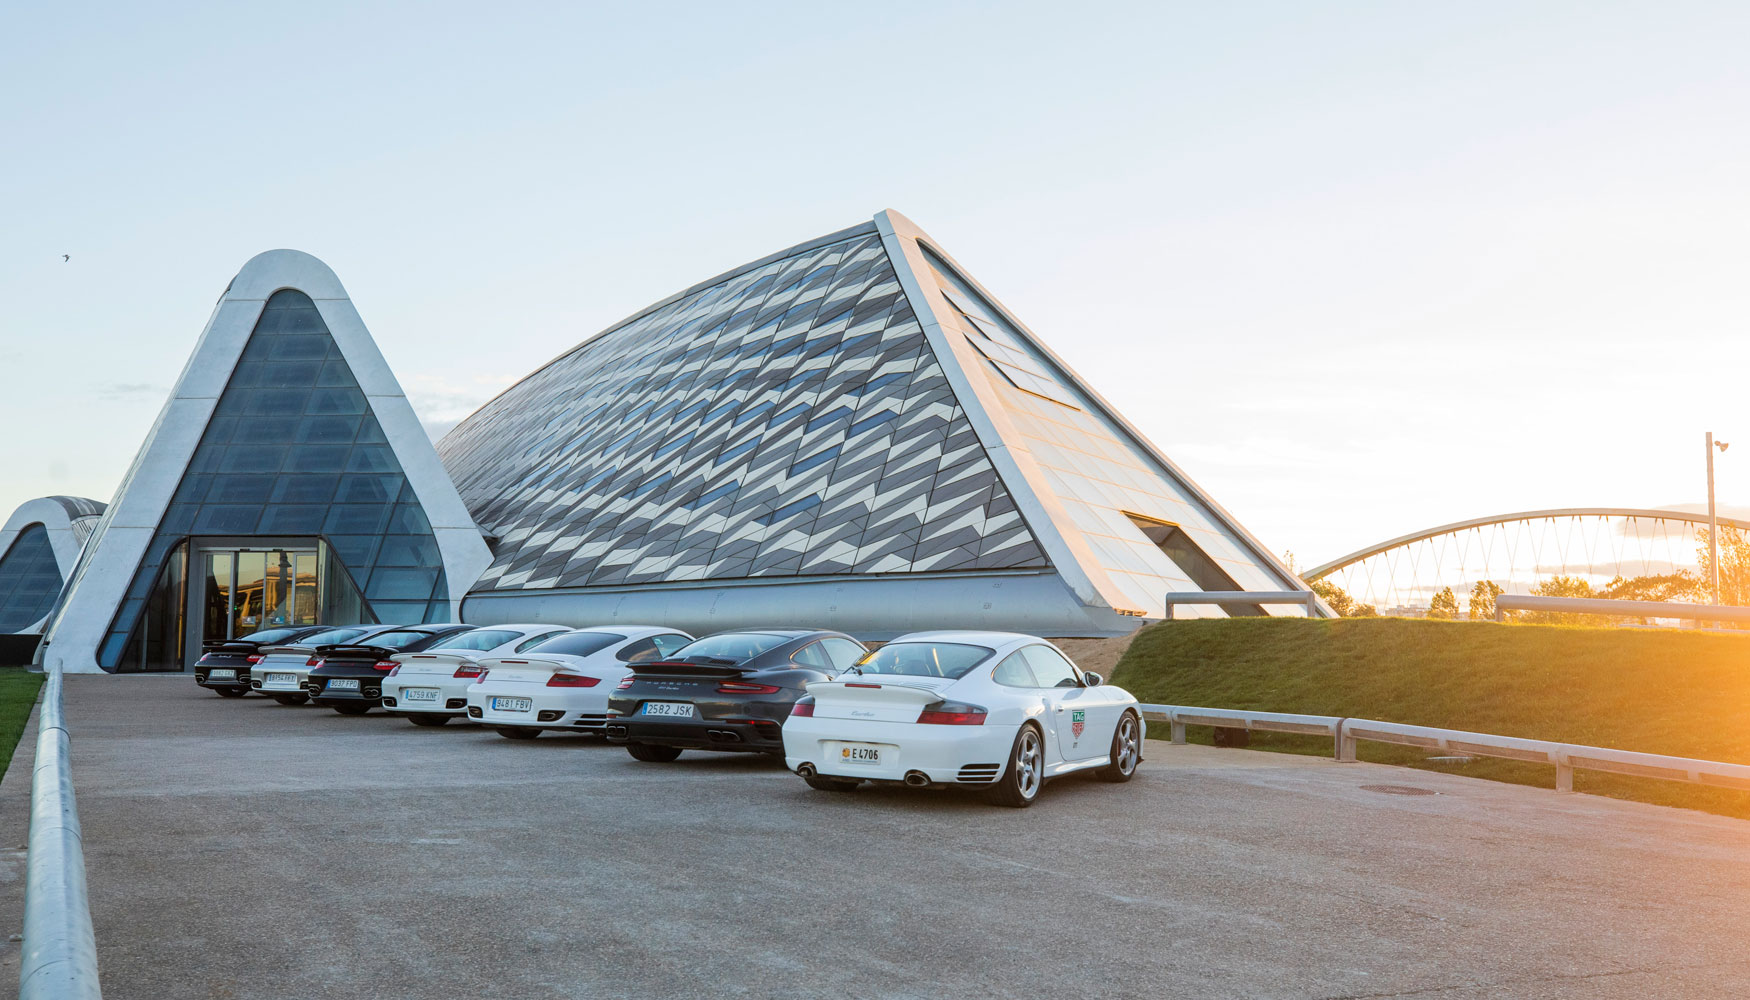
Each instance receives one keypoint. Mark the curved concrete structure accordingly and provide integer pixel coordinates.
(65, 523)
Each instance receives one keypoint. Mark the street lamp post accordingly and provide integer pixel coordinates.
(1713, 521)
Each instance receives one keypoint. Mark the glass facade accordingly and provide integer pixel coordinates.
(291, 453)
(786, 420)
(30, 579)
(1097, 471)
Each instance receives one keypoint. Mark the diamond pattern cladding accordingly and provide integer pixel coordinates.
(30, 579)
(788, 420)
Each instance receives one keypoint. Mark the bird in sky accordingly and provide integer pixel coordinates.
(66, 257)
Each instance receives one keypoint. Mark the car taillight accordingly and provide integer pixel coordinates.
(384, 665)
(743, 687)
(804, 707)
(482, 678)
(952, 713)
(314, 661)
(572, 681)
(396, 669)
(626, 682)
(204, 658)
(469, 670)
(254, 659)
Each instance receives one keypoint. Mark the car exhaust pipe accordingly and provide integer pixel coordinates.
(916, 779)
(805, 769)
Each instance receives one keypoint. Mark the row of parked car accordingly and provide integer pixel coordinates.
(999, 710)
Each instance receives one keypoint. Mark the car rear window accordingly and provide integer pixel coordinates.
(271, 635)
(478, 640)
(396, 640)
(332, 636)
(733, 646)
(578, 643)
(924, 659)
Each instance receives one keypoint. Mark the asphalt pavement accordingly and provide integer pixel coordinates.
(245, 849)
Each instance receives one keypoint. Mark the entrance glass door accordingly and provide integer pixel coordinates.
(250, 590)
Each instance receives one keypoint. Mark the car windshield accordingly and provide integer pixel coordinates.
(577, 643)
(271, 635)
(733, 647)
(479, 639)
(332, 636)
(396, 640)
(924, 659)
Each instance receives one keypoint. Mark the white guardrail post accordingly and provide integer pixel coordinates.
(59, 960)
(1565, 757)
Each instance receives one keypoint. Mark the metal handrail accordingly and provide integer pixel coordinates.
(1566, 757)
(60, 949)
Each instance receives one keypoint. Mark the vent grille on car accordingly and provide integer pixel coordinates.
(980, 772)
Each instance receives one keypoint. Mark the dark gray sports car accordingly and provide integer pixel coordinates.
(731, 691)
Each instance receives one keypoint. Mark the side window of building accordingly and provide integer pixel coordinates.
(843, 652)
(537, 639)
(812, 655)
(667, 643)
(1050, 669)
(1014, 672)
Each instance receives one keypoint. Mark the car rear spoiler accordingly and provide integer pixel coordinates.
(443, 656)
(346, 649)
(524, 661)
(271, 650)
(684, 669)
(229, 646)
(884, 691)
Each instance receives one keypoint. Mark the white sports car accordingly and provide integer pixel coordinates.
(430, 687)
(282, 670)
(993, 709)
(564, 683)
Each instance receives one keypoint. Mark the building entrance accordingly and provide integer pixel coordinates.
(242, 590)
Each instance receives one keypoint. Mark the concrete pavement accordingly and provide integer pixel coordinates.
(244, 849)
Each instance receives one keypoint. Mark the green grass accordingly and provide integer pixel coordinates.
(1656, 691)
(18, 688)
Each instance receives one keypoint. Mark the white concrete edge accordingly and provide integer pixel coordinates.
(49, 513)
(1020, 475)
(1220, 514)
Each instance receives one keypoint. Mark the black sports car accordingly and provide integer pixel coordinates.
(350, 677)
(730, 691)
(224, 664)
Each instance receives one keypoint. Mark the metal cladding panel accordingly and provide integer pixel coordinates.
(787, 420)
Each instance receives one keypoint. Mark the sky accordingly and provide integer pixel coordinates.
(1358, 268)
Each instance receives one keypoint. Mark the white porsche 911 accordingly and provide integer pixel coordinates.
(430, 687)
(993, 709)
(564, 683)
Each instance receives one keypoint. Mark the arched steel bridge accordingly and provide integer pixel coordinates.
(1518, 551)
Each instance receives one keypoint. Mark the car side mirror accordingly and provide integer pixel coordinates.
(1091, 679)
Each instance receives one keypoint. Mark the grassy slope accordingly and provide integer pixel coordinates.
(18, 689)
(1657, 691)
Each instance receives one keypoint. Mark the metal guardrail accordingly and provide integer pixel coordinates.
(1622, 609)
(1565, 757)
(60, 950)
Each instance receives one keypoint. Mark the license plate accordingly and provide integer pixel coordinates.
(280, 679)
(512, 704)
(343, 684)
(860, 753)
(222, 675)
(420, 694)
(672, 708)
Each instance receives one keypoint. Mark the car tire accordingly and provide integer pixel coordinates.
(291, 699)
(822, 783)
(1126, 750)
(428, 719)
(348, 708)
(231, 692)
(517, 732)
(652, 753)
(1025, 776)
